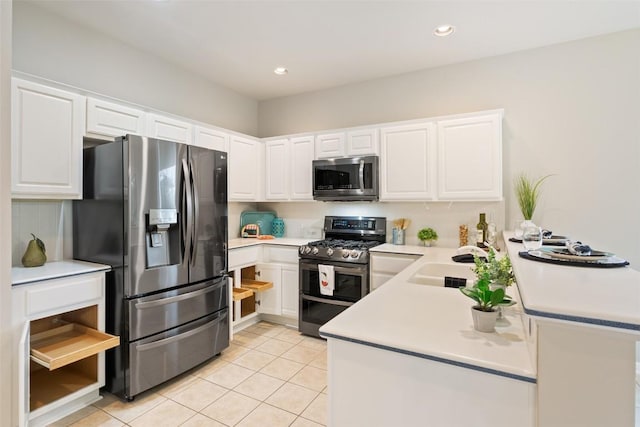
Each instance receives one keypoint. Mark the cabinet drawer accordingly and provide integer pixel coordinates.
(69, 343)
(281, 254)
(244, 256)
(391, 263)
(60, 295)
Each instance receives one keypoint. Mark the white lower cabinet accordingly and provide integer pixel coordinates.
(59, 329)
(384, 266)
(265, 282)
(290, 291)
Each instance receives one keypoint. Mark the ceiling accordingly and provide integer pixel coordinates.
(330, 43)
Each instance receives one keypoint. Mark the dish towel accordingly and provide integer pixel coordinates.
(327, 279)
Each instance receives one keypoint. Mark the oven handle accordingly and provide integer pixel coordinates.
(360, 270)
(327, 301)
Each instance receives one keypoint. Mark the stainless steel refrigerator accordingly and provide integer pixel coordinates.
(156, 211)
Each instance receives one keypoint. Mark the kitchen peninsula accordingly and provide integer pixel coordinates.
(547, 364)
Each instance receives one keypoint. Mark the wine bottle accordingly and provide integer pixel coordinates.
(481, 231)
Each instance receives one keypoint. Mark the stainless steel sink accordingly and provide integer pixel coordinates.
(434, 273)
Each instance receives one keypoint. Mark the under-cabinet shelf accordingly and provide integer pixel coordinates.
(241, 293)
(69, 343)
(255, 285)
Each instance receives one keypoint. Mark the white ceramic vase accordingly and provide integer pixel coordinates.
(484, 321)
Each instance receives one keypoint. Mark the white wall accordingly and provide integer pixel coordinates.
(7, 397)
(571, 110)
(51, 47)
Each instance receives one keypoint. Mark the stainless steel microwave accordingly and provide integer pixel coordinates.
(346, 179)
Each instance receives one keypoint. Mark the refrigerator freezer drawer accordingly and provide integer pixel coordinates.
(161, 357)
(160, 312)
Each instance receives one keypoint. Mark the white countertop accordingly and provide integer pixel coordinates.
(599, 296)
(434, 323)
(243, 242)
(54, 270)
(403, 249)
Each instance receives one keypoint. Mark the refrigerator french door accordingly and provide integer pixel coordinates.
(156, 211)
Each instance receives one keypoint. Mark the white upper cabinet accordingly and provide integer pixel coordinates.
(109, 119)
(277, 169)
(407, 162)
(470, 158)
(301, 171)
(47, 126)
(329, 145)
(245, 173)
(362, 142)
(168, 129)
(212, 139)
(357, 142)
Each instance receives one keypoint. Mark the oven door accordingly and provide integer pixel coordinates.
(351, 281)
(315, 312)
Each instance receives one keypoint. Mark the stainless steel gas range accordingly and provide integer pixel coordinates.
(340, 260)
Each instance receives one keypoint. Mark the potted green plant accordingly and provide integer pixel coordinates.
(498, 271)
(427, 236)
(485, 312)
(528, 192)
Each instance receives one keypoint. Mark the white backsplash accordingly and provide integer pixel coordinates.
(306, 219)
(47, 220)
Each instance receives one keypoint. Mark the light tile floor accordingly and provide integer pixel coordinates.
(269, 376)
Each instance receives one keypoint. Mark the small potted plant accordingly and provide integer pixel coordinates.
(427, 236)
(528, 192)
(499, 271)
(485, 312)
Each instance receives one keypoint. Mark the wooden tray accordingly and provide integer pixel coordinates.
(255, 285)
(69, 343)
(240, 294)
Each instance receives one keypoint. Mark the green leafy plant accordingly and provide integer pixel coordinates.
(498, 271)
(528, 192)
(427, 234)
(485, 298)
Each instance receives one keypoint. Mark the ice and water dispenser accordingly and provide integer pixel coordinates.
(162, 237)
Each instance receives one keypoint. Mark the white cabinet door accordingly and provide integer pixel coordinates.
(107, 118)
(407, 162)
(362, 142)
(301, 171)
(277, 169)
(470, 158)
(330, 145)
(270, 300)
(290, 292)
(168, 129)
(244, 169)
(24, 351)
(384, 266)
(212, 139)
(47, 126)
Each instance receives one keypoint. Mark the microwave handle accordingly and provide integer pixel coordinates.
(361, 172)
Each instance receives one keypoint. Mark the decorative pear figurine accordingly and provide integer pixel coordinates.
(35, 255)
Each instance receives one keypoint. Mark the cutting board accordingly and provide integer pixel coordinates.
(263, 219)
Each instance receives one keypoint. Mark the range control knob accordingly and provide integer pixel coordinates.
(345, 254)
(307, 249)
(314, 251)
(301, 249)
(355, 253)
(329, 251)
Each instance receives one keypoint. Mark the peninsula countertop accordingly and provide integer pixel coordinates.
(434, 323)
(598, 296)
(54, 270)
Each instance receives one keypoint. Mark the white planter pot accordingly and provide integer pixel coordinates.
(484, 321)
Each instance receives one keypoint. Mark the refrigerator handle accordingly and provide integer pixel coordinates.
(196, 215)
(187, 230)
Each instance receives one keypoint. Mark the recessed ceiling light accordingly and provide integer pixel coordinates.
(444, 30)
(281, 71)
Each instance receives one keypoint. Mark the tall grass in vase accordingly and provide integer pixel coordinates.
(528, 193)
